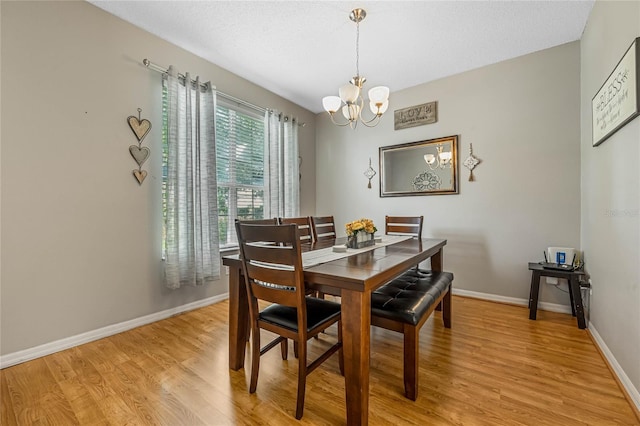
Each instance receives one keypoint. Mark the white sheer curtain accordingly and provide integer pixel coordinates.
(192, 249)
(281, 133)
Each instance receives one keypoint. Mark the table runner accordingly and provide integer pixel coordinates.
(316, 257)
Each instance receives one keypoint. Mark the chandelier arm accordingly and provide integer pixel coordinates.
(375, 120)
(377, 116)
(336, 123)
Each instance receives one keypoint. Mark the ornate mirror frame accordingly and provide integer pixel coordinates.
(428, 167)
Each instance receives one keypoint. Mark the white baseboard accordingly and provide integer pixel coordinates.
(79, 339)
(553, 307)
(624, 379)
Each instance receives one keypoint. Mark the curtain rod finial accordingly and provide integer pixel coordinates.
(146, 62)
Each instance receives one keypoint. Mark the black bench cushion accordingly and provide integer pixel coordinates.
(408, 297)
(318, 311)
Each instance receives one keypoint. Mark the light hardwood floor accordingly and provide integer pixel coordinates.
(494, 367)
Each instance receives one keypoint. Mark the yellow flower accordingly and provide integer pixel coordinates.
(363, 224)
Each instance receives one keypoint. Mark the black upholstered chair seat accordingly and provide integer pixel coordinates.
(408, 297)
(318, 311)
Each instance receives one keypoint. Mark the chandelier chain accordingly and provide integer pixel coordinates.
(358, 48)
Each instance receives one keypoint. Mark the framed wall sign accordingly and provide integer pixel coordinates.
(616, 103)
(416, 115)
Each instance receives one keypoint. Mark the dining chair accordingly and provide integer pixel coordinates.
(272, 267)
(323, 227)
(304, 227)
(403, 225)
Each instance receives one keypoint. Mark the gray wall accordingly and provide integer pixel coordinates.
(610, 216)
(80, 238)
(522, 117)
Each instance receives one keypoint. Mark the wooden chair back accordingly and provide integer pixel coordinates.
(403, 225)
(272, 264)
(323, 228)
(304, 227)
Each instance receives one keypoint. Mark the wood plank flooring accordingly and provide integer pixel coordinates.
(494, 367)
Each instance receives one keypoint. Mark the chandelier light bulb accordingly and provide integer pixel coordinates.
(445, 157)
(378, 94)
(331, 104)
(349, 93)
(429, 159)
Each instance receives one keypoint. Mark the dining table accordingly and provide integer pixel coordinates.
(353, 277)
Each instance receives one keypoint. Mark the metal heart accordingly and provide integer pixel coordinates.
(140, 128)
(140, 175)
(140, 154)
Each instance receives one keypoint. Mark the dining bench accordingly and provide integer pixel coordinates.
(404, 305)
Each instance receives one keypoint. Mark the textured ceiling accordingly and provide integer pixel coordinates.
(305, 50)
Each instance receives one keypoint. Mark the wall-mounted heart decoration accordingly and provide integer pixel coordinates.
(140, 127)
(140, 154)
(140, 175)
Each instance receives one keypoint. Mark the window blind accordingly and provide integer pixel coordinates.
(240, 164)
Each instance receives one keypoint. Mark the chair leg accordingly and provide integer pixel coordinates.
(284, 348)
(411, 357)
(302, 378)
(446, 308)
(295, 350)
(255, 358)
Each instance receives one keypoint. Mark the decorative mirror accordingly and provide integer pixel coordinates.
(419, 168)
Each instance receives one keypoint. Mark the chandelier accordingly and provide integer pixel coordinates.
(440, 160)
(350, 101)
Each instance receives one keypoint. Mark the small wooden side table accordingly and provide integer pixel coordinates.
(573, 277)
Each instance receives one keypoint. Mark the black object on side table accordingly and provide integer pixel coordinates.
(573, 277)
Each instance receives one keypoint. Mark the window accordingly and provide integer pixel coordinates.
(240, 164)
(240, 167)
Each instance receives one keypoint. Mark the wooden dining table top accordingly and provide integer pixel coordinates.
(363, 271)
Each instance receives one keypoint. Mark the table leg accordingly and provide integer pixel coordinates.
(356, 329)
(533, 295)
(238, 319)
(573, 304)
(436, 261)
(574, 288)
(436, 265)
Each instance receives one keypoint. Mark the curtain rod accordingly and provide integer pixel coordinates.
(147, 63)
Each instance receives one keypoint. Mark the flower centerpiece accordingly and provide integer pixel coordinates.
(360, 233)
